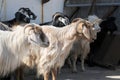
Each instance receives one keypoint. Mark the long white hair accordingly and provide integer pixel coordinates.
(14, 45)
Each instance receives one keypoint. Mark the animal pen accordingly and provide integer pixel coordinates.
(103, 60)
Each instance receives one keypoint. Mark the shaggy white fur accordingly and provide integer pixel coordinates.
(14, 45)
(61, 41)
(83, 44)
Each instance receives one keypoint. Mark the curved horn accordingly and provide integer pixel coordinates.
(56, 14)
(32, 25)
(21, 8)
(29, 25)
(83, 28)
(79, 27)
(75, 20)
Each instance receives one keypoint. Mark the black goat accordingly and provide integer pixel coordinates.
(58, 19)
(107, 26)
(23, 15)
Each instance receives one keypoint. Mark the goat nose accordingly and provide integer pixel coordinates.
(35, 17)
(48, 43)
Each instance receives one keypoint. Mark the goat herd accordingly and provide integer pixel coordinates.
(46, 46)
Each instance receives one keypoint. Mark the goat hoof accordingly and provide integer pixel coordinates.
(111, 67)
(83, 70)
(74, 71)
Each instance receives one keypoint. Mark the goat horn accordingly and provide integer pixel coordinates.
(29, 25)
(32, 26)
(56, 14)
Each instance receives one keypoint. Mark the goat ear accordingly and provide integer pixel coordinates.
(86, 32)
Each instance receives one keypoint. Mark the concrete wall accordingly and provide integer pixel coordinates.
(51, 7)
(9, 7)
(13, 5)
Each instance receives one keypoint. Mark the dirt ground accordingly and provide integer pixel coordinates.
(91, 73)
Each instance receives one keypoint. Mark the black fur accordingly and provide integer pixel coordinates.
(20, 17)
(55, 20)
(107, 25)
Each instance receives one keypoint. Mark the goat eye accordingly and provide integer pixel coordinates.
(59, 18)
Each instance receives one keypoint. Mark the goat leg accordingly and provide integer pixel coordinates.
(74, 60)
(69, 62)
(54, 74)
(84, 55)
(82, 63)
(19, 73)
(46, 75)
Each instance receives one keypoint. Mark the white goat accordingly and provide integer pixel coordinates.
(83, 45)
(52, 58)
(14, 45)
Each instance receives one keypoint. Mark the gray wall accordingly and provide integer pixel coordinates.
(98, 10)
